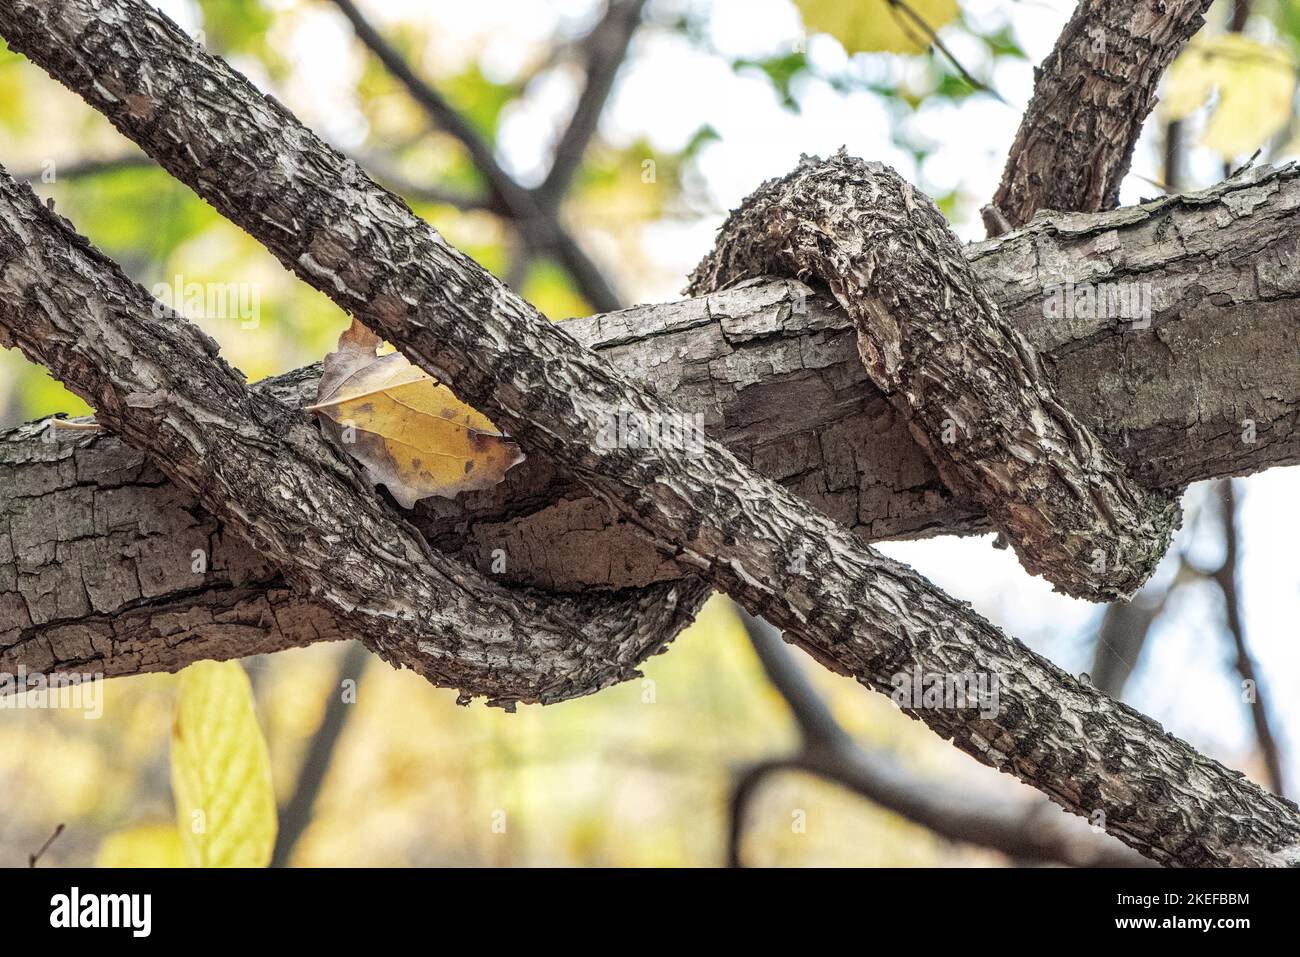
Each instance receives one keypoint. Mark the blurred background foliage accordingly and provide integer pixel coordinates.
(640, 774)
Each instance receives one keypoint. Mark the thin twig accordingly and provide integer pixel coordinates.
(1226, 578)
(1025, 830)
(33, 858)
(296, 814)
(934, 40)
(381, 168)
(606, 45)
(544, 233)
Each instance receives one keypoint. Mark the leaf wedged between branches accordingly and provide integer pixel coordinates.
(408, 431)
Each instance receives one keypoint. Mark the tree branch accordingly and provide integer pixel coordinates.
(1091, 97)
(268, 474)
(1225, 576)
(1024, 830)
(775, 373)
(85, 168)
(854, 610)
(296, 815)
(606, 47)
(969, 385)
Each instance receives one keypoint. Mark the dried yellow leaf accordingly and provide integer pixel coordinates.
(409, 432)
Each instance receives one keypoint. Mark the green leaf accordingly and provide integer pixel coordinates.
(235, 26)
(479, 99)
(221, 772)
(781, 70)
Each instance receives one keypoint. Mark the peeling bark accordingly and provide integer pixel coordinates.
(854, 610)
(1091, 97)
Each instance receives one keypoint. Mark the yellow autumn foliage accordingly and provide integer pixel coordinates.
(877, 26)
(1255, 82)
(221, 771)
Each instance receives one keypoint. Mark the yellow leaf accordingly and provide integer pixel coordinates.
(221, 773)
(408, 431)
(145, 845)
(878, 25)
(1256, 84)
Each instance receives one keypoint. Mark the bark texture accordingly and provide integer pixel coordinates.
(775, 373)
(969, 385)
(1091, 97)
(854, 610)
(258, 465)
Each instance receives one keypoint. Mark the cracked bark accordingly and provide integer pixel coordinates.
(854, 610)
(775, 373)
(969, 385)
(258, 465)
(1091, 97)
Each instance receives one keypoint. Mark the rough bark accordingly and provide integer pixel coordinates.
(968, 384)
(1091, 97)
(853, 609)
(1026, 830)
(776, 376)
(262, 468)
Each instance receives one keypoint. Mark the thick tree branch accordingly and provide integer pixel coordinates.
(267, 473)
(853, 609)
(776, 375)
(970, 386)
(1091, 97)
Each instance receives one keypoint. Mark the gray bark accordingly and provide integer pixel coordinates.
(969, 385)
(776, 375)
(854, 610)
(1091, 97)
(266, 471)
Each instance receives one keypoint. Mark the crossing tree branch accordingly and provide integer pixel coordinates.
(969, 385)
(773, 370)
(536, 219)
(854, 610)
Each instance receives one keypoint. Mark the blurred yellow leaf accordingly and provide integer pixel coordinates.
(221, 772)
(145, 845)
(409, 432)
(1256, 84)
(878, 26)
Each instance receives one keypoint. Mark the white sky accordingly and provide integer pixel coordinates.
(669, 89)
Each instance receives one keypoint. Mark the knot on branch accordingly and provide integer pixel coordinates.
(970, 386)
